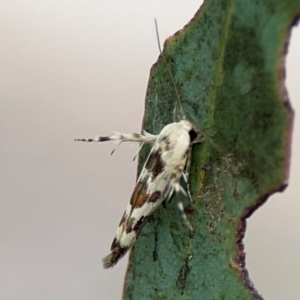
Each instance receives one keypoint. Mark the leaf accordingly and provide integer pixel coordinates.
(228, 65)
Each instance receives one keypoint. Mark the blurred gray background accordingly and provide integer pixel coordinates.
(76, 69)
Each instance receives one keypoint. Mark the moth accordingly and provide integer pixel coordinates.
(168, 161)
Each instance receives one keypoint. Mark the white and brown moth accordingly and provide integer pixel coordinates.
(168, 161)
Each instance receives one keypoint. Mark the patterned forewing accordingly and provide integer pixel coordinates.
(160, 176)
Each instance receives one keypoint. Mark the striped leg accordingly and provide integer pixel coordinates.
(118, 137)
(186, 173)
(178, 188)
(183, 214)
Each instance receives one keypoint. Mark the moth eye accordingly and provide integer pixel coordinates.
(193, 134)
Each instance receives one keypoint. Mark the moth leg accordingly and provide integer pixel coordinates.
(169, 196)
(145, 137)
(118, 137)
(174, 113)
(137, 153)
(184, 216)
(117, 146)
(178, 188)
(96, 139)
(186, 173)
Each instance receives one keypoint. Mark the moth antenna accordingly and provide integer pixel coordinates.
(182, 115)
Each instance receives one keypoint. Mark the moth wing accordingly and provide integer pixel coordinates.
(143, 203)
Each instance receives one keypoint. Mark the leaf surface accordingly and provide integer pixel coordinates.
(228, 65)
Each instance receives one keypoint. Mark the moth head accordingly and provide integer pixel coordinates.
(194, 132)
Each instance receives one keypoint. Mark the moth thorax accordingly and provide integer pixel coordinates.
(187, 125)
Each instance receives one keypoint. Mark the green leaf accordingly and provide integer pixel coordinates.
(228, 65)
